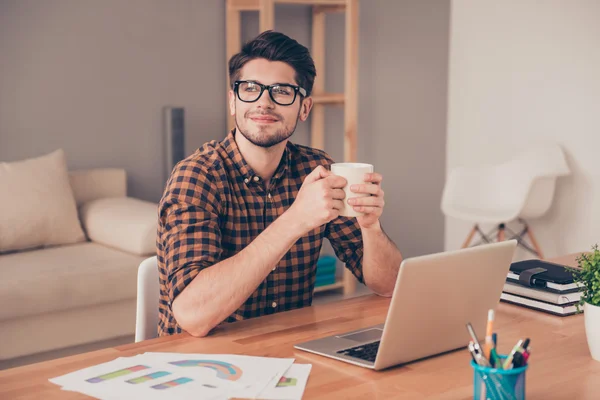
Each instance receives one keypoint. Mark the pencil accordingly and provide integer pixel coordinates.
(508, 361)
(488, 334)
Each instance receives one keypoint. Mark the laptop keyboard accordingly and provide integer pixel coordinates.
(366, 352)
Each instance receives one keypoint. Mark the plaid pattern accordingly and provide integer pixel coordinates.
(214, 205)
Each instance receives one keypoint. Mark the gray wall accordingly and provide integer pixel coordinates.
(91, 77)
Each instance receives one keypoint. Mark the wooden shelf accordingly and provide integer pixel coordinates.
(329, 98)
(348, 99)
(333, 286)
(243, 5)
(254, 5)
(313, 2)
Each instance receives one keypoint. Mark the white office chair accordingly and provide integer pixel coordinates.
(519, 189)
(146, 319)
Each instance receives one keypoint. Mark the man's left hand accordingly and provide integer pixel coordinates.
(371, 206)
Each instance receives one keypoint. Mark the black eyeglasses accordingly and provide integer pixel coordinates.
(281, 93)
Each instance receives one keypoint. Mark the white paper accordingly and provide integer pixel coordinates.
(255, 373)
(176, 375)
(97, 381)
(291, 385)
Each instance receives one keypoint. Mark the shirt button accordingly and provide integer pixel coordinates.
(274, 304)
(246, 180)
(256, 179)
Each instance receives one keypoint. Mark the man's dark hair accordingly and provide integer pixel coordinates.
(275, 46)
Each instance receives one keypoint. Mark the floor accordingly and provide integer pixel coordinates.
(320, 298)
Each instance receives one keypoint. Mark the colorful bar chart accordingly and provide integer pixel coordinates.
(224, 369)
(149, 377)
(173, 383)
(286, 382)
(116, 374)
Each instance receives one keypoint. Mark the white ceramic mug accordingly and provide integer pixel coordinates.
(355, 175)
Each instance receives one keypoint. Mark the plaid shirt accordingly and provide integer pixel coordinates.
(214, 205)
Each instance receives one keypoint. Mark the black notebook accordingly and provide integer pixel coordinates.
(542, 275)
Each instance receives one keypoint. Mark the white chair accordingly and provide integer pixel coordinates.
(146, 319)
(519, 189)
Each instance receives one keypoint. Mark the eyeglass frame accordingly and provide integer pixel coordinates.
(297, 89)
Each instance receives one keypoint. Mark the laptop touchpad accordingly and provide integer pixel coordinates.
(365, 336)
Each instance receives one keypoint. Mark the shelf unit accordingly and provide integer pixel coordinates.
(321, 99)
(333, 286)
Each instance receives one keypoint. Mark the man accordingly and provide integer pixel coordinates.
(242, 221)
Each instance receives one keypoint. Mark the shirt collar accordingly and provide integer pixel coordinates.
(246, 171)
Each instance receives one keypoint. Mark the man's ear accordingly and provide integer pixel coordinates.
(231, 103)
(305, 108)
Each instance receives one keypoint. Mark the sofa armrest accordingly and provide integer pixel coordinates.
(124, 223)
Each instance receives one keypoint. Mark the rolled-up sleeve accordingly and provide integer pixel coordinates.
(345, 237)
(189, 238)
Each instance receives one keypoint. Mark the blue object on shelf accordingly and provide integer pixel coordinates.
(325, 280)
(326, 270)
(326, 263)
(326, 266)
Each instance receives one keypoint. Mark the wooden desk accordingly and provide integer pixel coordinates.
(560, 366)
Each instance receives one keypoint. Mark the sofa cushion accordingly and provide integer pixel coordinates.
(124, 223)
(97, 183)
(65, 277)
(37, 206)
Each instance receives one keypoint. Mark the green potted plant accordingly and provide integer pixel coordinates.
(588, 276)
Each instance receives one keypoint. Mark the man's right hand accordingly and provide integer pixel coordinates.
(319, 200)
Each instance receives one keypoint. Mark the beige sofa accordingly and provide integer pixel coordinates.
(60, 296)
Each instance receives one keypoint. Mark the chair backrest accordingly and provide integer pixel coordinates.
(520, 187)
(146, 320)
(543, 161)
(544, 164)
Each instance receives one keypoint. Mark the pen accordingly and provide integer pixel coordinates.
(473, 336)
(477, 359)
(518, 360)
(472, 351)
(526, 355)
(488, 333)
(480, 359)
(509, 359)
(494, 359)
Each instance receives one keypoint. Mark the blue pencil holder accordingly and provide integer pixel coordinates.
(498, 384)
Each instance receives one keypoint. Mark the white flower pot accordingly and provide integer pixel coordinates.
(592, 329)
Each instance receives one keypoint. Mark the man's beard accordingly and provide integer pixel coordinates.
(267, 141)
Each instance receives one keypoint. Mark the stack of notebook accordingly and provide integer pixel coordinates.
(325, 270)
(543, 286)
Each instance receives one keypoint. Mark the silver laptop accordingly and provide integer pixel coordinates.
(434, 298)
